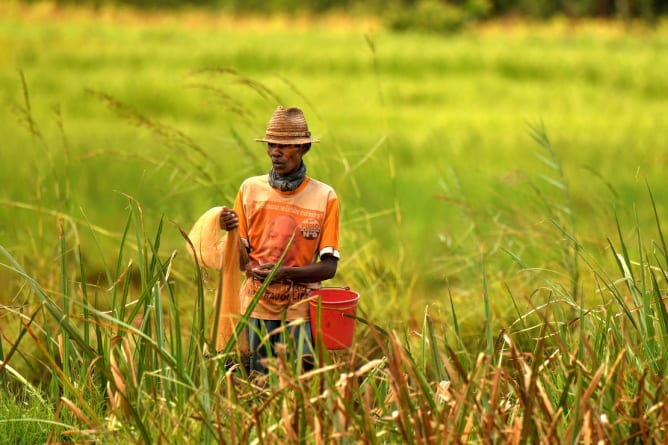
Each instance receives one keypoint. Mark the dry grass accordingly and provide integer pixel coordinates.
(595, 378)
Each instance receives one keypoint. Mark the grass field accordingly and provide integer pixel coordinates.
(455, 204)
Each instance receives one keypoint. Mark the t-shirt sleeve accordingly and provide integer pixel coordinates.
(329, 243)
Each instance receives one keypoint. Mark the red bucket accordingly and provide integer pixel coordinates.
(333, 325)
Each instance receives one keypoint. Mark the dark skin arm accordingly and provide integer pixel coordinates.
(311, 273)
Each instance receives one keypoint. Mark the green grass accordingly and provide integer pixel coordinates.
(502, 221)
(426, 138)
(560, 372)
(449, 113)
(24, 419)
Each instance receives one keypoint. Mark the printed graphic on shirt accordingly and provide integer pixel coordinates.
(276, 238)
(310, 229)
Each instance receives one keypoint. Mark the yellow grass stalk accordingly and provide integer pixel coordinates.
(488, 419)
(515, 435)
(118, 396)
(317, 431)
(288, 429)
(586, 428)
(593, 385)
(78, 413)
(468, 427)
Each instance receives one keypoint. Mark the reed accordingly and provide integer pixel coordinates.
(124, 375)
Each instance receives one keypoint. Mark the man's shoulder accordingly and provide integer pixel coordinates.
(255, 181)
(321, 185)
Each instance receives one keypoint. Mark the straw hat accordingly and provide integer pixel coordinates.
(288, 126)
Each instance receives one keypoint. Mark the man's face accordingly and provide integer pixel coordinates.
(285, 158)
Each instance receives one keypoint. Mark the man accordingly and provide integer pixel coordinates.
(270, 211)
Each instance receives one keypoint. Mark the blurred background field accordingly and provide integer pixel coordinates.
(426, 136)
(501, 167)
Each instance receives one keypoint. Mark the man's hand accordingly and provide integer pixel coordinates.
(261, 271)
(228, 219)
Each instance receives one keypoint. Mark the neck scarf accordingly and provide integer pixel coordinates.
(290, 182)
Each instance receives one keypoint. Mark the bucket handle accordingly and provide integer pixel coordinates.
(339, 309)
(324, 288)
(334, 287)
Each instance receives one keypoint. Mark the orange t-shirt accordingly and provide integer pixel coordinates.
(268, 218)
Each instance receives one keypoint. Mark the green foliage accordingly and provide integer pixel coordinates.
(596, 373)
(543, 279)
(435, 16)
(25, 419)
(440, 118)
(449, 15)
(430, 16)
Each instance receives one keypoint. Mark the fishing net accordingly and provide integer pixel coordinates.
(217, 249)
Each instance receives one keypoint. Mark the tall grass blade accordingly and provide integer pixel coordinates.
(571, 253)
(198, 340)
(664, 247)
(455, 321)
(65, 351)
(84, 293)
(660, 305)
(489, 340)
(3, 376)
(436, 359)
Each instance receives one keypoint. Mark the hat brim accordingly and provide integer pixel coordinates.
(287, 141)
